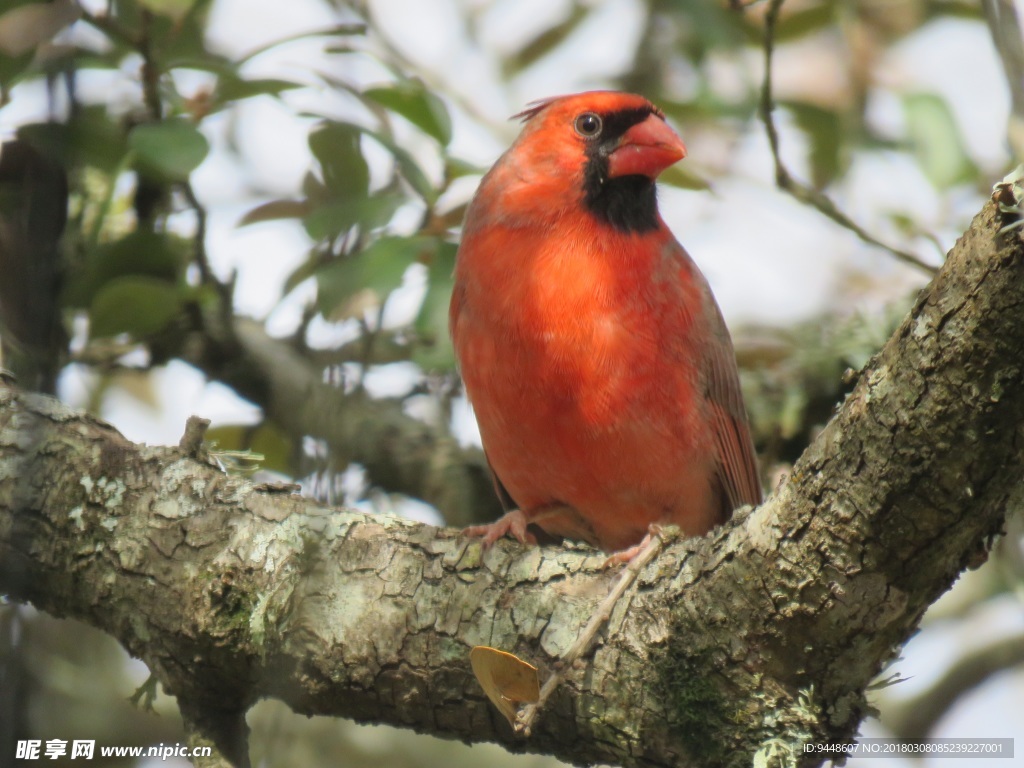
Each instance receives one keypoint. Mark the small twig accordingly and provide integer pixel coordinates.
(199, 254)
(224, 290)
(107, 24)
(369, 339)
(298, 338)
(915, 719)
(1004, 26)
(150, 77)
(648, 551)
(435, 81)
(206, 276)
(191, 442)
(145, 694)
(802, 192)
(1008, 194)
(150, 70)
(390, 347)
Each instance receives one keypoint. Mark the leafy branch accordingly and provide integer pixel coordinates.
(785, 180)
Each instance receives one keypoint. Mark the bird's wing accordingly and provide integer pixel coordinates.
(507, 502)
(735, 448)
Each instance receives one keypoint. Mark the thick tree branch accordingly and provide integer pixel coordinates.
(763, 634)
(400, 453)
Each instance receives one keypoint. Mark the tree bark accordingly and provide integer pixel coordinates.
(397, 451)
(761, 637)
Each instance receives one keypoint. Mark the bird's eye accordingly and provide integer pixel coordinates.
(588, 125)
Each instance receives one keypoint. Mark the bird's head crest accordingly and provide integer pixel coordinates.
(534, 108)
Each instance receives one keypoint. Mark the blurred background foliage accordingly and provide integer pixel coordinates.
(148, 156)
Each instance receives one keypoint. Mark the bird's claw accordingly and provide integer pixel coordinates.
(626, 556)
(513, 522)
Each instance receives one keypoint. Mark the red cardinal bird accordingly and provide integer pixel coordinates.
(597, 361)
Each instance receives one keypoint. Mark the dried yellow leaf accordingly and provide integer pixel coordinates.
(507, 680)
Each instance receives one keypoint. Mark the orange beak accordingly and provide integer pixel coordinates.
(646, 149)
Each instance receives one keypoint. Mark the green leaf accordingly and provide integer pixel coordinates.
(180, 38)
(337, 216)
(314, 189)
(547, 41)
(170, 149)
(339, 30)
(791, 413)
(26, 26)
(433, 348)
(379, 269)
(302, 272)
(805, 21)
(456, 168)
(266, 440)
(157, 256)
(89, 138)
(957, 9)
(172, 9)
(823, 129)
(140, 306)
(274, 210)
(233, 88)
(407, 166)
(936, 140)
(709, 28)
(12, 68)
(336, 146)
(683, 177)
(415, 103)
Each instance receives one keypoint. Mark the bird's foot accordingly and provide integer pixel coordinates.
(628, 555)
(513, 522)
(646, 551)
(624, 556)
